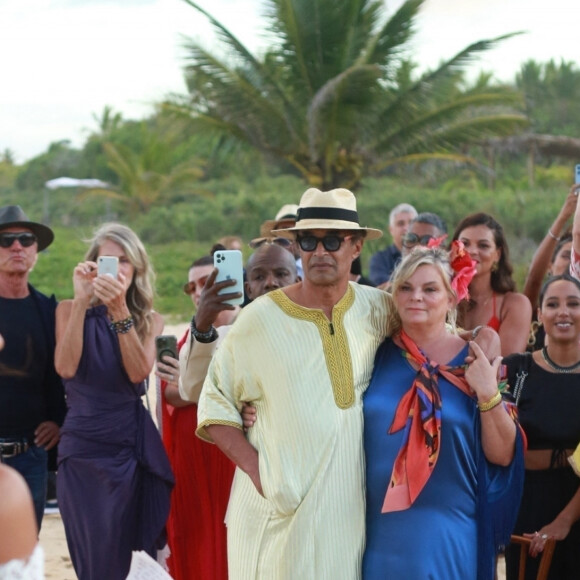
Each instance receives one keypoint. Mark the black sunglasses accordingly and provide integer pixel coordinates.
(26, 239)
(411, 240)
(330, 242)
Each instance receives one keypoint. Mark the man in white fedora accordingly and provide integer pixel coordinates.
(303, 355)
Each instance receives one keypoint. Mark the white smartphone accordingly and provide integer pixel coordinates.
(230, 267)
(108, 265)
(577, 174)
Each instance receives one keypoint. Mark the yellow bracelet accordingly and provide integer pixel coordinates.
(488, 405)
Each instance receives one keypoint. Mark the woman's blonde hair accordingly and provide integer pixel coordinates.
(421, 256)
(141, 290)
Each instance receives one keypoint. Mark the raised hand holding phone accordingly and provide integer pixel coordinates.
(230, 267)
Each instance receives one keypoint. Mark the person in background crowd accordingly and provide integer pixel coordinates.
(493, 300)
(203, 473)
(231, 242)
(356, 273)
(114, 478)
(32, 403)
(551, 258)
(545, 386)
(425, 227)
(383, 263)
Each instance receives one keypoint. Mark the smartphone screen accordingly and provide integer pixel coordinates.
(577, 174)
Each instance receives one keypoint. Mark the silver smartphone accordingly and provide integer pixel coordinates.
(108, 265)
(230, 267)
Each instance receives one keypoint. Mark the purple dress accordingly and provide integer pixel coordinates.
(114, 478)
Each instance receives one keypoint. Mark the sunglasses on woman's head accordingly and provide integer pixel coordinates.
(411, 240)
(26, 239)
(190, 287)
(330, 242)
(283, 242)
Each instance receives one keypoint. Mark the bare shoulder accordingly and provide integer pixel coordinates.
(16, 516)
(516, 300)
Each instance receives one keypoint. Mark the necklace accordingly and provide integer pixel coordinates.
(556, 367)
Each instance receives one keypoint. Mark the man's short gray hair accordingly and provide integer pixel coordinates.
(401, 208)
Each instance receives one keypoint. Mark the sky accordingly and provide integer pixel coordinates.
(63, 61)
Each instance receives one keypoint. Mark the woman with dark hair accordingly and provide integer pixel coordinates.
(545, 387)
(493, 298)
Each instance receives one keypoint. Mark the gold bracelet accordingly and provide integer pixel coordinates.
(488, 405)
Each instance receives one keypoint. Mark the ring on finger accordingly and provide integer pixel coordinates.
(544, 537)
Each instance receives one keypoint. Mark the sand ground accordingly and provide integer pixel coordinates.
(58, 565)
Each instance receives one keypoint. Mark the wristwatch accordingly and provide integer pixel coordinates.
(204, 337)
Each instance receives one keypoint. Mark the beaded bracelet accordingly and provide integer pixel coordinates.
(488, 405)
(204, 337)
(553, 236)
(122, 326)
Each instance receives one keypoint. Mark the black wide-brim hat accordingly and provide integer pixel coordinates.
(13, 216)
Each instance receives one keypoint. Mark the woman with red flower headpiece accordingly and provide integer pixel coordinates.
(493, 300)
(444, 457)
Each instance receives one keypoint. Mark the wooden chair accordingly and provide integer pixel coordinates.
(545, 556)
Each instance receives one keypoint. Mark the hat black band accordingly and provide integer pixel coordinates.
(326, 213)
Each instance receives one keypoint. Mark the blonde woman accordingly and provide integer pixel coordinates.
(114, 479)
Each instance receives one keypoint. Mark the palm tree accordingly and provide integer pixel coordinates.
(334, 95)
(141, 187)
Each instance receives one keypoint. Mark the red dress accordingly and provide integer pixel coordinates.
(203, 478)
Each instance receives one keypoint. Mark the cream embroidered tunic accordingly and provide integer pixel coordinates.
(306, 376)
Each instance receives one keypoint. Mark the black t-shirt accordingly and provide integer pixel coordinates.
(25, 363)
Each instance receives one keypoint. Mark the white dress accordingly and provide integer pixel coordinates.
(31, 569)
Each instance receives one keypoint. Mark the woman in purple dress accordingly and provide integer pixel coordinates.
(114, 479)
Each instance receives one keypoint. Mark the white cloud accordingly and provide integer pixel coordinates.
(65, 60)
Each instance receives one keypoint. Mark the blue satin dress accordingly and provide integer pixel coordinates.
(437, 537)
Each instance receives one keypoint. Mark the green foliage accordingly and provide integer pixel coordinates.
(177, 234)
(552, 93)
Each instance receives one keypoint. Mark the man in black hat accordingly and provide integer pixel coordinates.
(32, 404)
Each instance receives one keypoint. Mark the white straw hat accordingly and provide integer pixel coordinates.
(329, 210)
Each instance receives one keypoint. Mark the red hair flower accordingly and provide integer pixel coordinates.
(464, 268)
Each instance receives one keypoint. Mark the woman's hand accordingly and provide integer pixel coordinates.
(83, 276)
(168, 370)
(111, 292)
(481, 374)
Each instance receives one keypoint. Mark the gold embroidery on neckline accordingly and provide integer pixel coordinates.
(334, 341)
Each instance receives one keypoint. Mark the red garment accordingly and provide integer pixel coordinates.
(494, 322)
(203, 477)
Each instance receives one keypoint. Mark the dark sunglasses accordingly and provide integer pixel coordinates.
(411, 240)
(330, 242)
(190, 287)
(26, 239)
(283, 242)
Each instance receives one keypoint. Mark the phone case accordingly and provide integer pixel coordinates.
(166, 344)
(577, 180)
(108, 265)
(230, 267)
